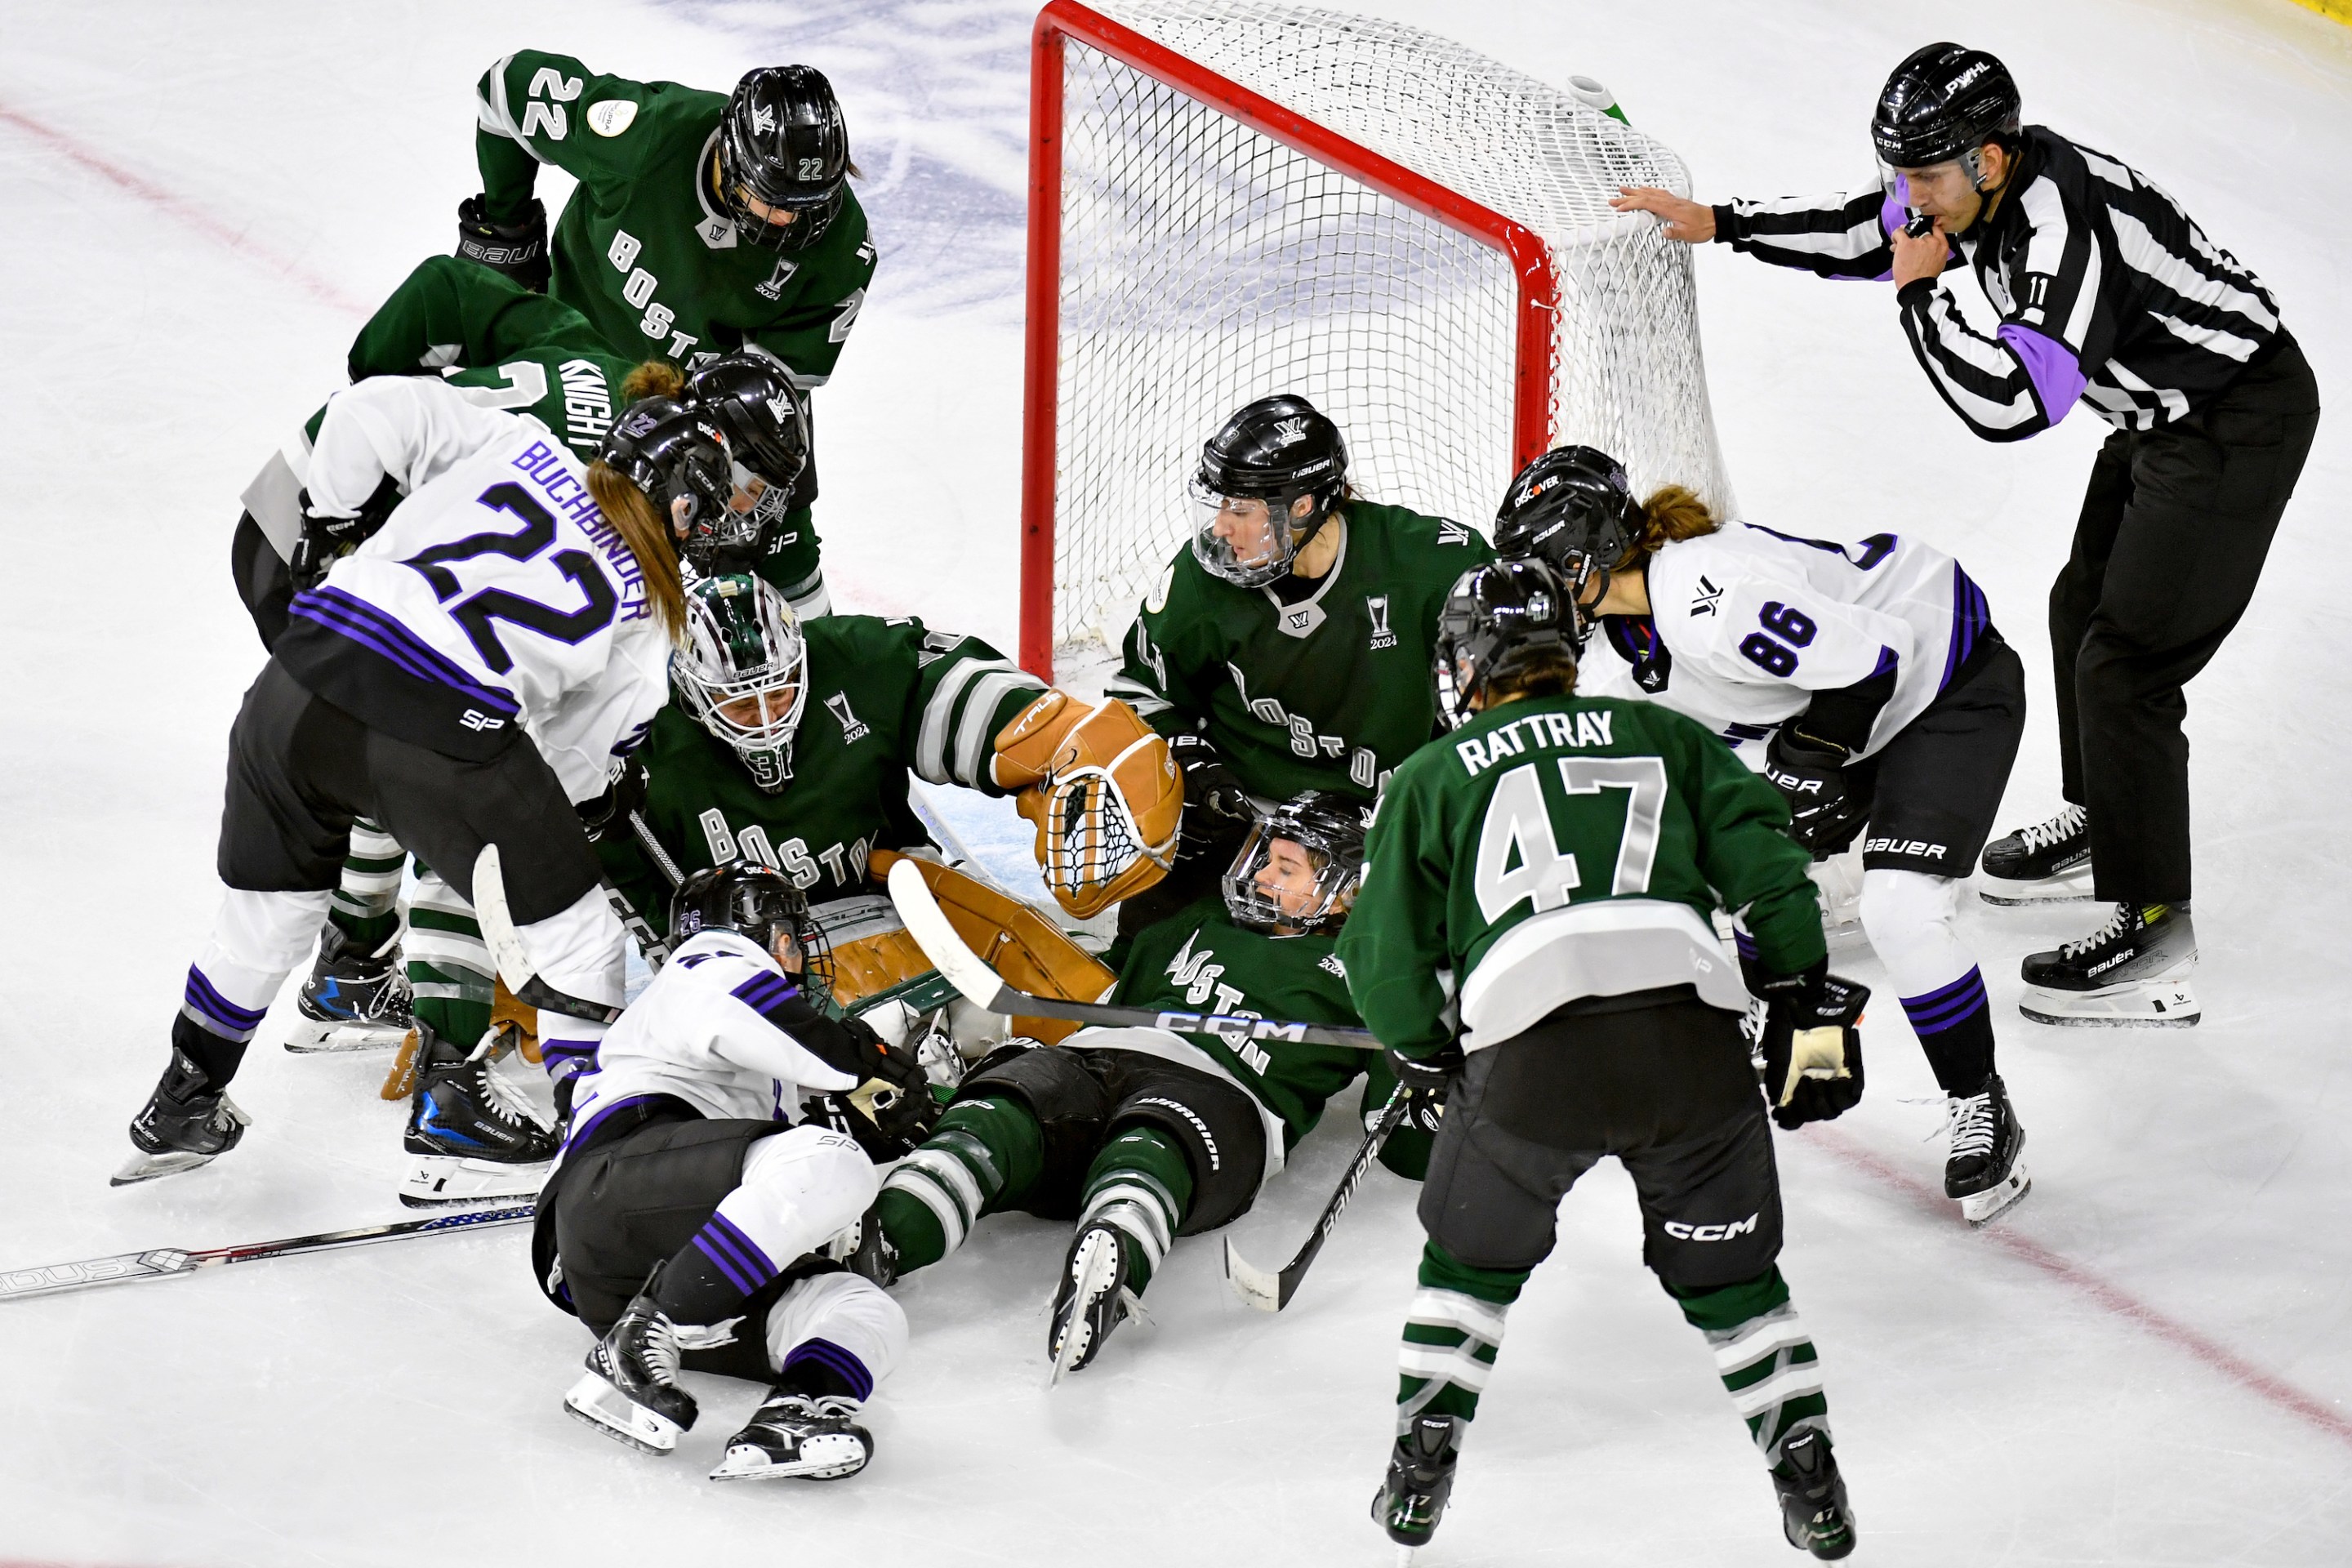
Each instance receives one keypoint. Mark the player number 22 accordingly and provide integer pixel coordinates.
(478, 612)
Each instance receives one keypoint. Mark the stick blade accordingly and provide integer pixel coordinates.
(1256, 1286)
(496, 921)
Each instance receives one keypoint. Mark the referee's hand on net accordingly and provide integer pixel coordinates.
(1691, 222)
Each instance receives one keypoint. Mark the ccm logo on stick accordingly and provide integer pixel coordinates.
(1682, 1231)
(1232, 1026)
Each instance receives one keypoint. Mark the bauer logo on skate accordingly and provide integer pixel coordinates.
(1726, 1232)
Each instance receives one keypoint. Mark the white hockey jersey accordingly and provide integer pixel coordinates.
(495, 598)
(1745, 624)
(704, 1032)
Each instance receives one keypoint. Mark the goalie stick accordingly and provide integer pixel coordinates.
(1272, 1293)
(507, 950)
(171, 1262)
(969, 974)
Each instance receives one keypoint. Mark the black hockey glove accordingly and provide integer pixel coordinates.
(1811, 1048)
(327, 540)
(607, 816)
(517, 249)
(1424, 1081)
(1825, 808)
(895, 1094)
(1217, 810)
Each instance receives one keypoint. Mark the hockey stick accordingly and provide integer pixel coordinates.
(171, 1262)
(969, 974)
(1272, 1293)
(507, 950)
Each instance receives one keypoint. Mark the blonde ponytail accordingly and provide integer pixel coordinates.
(639, 523)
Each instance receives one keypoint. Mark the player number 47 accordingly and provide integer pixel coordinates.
(1519, 856)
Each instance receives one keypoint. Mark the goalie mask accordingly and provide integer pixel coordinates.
(1299, 867)
(756, 406)
(1508, 620)
(760, 904)
(1253, 473)
(743, 671)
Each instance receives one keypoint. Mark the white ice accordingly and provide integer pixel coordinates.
(2148, 1363)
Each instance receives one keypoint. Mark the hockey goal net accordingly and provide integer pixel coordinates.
(1230, 199)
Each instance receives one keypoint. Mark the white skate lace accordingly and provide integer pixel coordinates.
(660, 1349)
(503, 1101)
(2117, 920)
(1971, 1123)
(2059, 828)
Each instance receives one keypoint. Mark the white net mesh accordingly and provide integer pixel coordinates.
(1204, 265)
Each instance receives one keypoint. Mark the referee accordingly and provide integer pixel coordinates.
(2108, 295)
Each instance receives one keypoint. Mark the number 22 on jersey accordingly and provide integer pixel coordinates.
(1519, 843)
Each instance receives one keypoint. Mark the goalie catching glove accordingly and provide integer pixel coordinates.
(1812, 1050)
(1104, 792)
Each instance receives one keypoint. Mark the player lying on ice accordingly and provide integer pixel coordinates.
(685, 1220)
(1562, 856)
(466, 676)
(1865, 681)
(1143, 1135)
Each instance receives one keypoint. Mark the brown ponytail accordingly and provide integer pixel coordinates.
(1671, 513)
(654, 378)
(642, 527)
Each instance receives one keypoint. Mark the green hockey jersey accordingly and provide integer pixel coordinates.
(1330, 693)
(885, 697)
(508, 347)
(1199, 961)
(1561, 848)
(643, 248)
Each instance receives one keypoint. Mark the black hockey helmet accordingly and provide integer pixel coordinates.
(670, 451)
(1330, 828)
(766, 425)
(756, 902)
(1572, 510)
(1274, 451)
(783, 143)
(1504, 621)
(1942, 104)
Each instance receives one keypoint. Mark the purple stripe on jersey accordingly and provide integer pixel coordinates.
(1744, 943)
(550, 1050)
(1972, 618)
(768, 994)
(734, 1254)
(382, 635)
(2051, 365)
(1947, 1004)
(234, 1020)
(1887, 665)
(579, 1132)
(727, 1266)
(824, 1352)
(691, 959)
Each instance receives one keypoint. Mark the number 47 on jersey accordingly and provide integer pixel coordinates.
(1528, 845)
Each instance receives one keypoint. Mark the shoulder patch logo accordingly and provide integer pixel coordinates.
(1703, 602)
(852, 729)
(612, 117)
(1330, 961)
(1300, 620)
(1452, 532)
(1376, 606)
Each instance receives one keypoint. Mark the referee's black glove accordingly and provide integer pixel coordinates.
(1424, 1081)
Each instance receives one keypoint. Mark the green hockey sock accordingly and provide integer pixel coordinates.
(1452, 1334)
(984, 1155)
(449, 967)
(1765, 1356)
(366, 905)
(1140, 1183)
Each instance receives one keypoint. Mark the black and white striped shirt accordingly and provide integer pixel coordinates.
(2106, 291)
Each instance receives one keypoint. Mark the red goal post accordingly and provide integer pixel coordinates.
(1333, 202)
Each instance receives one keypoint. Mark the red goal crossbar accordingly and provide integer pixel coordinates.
(1062, 20)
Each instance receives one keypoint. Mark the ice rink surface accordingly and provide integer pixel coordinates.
(2148, 1363)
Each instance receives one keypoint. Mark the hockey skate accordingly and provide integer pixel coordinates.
(2132, 971)
(1420, 1477)
(1812, 1497)
(2046, 863)
(868, 1252)
(630, 1392)
(183, 1125)
(354, 1001)
(1986, 1167)
(471, 1134)
(1092, 1299)
(794, 1435)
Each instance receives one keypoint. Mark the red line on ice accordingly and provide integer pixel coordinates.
(188, 213)
(2105, 1292)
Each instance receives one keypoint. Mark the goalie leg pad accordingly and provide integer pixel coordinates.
(1064, 1093)
(1215, 1124)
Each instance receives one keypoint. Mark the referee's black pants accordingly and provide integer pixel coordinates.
(2174, 529)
